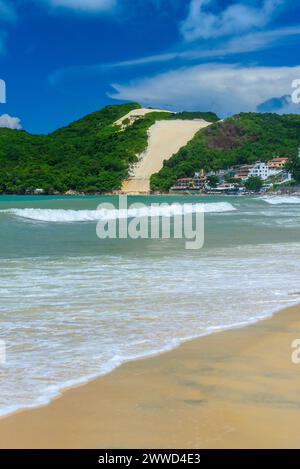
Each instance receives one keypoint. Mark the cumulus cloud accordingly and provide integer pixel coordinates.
(10, 122)
(88, 6)
(225, 89)
(235, 19)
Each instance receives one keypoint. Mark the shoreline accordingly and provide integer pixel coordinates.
(100, 404)
(85, 380)
(158, 194)
(179, 342)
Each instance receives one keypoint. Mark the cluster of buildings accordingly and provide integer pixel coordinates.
(261, 169)
(196, 183)
(237, 175)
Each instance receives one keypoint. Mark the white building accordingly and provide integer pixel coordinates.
(266, 170)
(261, 170)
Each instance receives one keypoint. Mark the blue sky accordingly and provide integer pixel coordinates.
(62, 59)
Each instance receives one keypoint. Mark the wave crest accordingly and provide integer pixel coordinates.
(281, 199)
(72, 216)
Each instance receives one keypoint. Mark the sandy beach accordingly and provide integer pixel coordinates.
(232, 389)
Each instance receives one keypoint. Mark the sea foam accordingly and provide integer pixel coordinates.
(71, 216)
(67, 319)
(281, 199)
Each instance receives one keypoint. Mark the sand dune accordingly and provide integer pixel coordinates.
(165, 139)
(136, 113)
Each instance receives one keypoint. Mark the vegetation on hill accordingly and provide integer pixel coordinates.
(254, 184)
(90, 155)
(93, 155)
(293, 166)
(241, 139)
(207, 116)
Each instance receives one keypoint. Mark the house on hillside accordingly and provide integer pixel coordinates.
(260, 169)
(200, 179)
(195, 183)
(242, 172)
(277, 163)
(183, 184)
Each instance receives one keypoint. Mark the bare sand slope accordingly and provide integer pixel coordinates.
(165, 139)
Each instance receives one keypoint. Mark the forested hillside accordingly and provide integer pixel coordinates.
(94, 155)
(90, 155)
(243, 138)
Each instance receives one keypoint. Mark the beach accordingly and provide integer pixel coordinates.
(149, 230)
(233, 389)
(118, 343)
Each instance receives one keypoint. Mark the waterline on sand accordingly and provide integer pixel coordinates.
(75, 307)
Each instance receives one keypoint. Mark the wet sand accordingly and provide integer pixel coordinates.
(232, 389)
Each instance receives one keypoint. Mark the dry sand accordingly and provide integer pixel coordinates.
(232, 389)
(165, 139)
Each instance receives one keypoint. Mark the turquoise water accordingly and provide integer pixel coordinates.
(74, 306)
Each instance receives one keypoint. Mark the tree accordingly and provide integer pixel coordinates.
(213, 180)
(239, 140)
(293, 165)
(233, 180)
(254, 184)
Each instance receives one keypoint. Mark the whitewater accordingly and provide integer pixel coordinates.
(74, 307)
(281, 199)
(61, 215)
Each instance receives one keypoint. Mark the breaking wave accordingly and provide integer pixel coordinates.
(281, 199)
(71, 216)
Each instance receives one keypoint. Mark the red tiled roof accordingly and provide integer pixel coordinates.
(279, 159)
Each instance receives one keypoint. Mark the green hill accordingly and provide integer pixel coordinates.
(93, 155)
(243, 138)
(90, 155)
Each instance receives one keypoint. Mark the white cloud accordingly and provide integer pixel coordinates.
(247, 43)
(10, 122)
(89, 6)
(235, 19)
(226, 89)
(259, 40)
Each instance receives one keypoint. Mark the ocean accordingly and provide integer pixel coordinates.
(74, 307)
